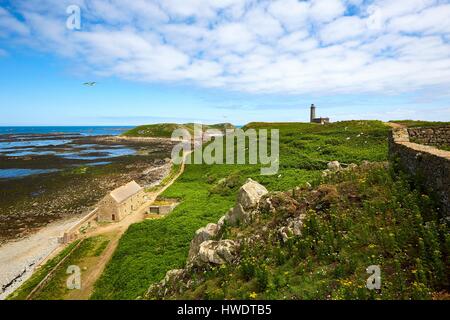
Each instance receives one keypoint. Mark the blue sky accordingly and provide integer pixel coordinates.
(223, 61)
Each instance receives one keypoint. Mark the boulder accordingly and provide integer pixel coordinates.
(236, 214)
(216, 252)
(334, 166)
(173, 276)
(248, 198)
(201, 235)
(250, 194)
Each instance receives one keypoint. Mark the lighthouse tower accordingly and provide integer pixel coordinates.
(313, 113)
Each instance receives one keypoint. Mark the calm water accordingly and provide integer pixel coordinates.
(24, 144)
(87, 131)
(18, 173)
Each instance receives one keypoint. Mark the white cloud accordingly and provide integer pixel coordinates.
(11, 25)
(344, 28)
(432, 20)
(283, 46)
(263, 25)
(292, 14)
(326, 10)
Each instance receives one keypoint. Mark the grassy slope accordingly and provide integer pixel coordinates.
(149, 249)
(164, 130)
(420, 123)
(364, 217)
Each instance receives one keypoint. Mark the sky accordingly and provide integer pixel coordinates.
(222, 61)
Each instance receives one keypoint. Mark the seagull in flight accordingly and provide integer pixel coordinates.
(90, 84)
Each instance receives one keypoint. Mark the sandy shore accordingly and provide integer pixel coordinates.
(18, 259)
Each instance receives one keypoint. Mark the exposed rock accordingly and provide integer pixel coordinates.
(238, 214)
(172, 279)
(173, 276)
(216, 252)
(250, 194)
(269, 205)
(221, 222)
(201, 235)
(293, 228)
(334, 166)
(285, 233)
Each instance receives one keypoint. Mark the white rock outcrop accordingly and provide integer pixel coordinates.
(248, 198)
(216, 252)
(250, 194)
(201, 235)
(334, 166)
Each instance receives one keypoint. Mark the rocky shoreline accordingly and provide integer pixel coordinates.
(29, 203)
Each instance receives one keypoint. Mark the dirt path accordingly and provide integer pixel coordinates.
(395, 125)
(114, 231)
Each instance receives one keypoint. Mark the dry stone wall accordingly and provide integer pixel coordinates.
(436, 136)
(430, 164)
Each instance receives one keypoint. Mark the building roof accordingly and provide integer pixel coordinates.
(124, 192)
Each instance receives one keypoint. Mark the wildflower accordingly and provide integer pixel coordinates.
(253, 295)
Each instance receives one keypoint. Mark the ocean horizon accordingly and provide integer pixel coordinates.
(83, 130)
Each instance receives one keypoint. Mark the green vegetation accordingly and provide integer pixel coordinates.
(420, 123)
(56, 287)
(151, 248)
(164, 130)
(354, 219)
(25, 289)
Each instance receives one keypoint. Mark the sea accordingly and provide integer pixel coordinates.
(87, 131)
(22, 141)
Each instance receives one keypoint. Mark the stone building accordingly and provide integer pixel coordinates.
(313, 118)
(121, 202)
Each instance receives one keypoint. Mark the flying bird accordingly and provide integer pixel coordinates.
(90, 84)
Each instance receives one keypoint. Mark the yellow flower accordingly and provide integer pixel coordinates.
(253, 295)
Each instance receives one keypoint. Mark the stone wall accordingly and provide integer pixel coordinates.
(430, 164)
(437, 136)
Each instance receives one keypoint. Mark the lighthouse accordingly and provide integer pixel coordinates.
(313, 118)
(313, 112)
